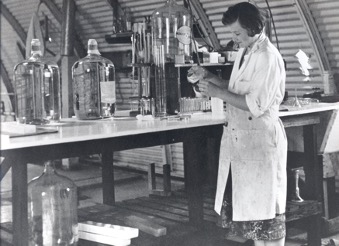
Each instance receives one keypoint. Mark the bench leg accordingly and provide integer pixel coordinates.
(151, 177)
(166, 191)
(314, 230)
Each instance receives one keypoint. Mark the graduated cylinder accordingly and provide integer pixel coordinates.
(171, 29)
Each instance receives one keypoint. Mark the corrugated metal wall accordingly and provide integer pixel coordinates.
(291, 32)
(94, 20)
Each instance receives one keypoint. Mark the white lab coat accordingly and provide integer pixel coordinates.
(254, 142)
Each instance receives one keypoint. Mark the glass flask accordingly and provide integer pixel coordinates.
(52, 209)
(171, 32)
(94, 93)
(37, 89)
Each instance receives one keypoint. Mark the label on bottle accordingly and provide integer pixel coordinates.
(107, 90)
(184, 35)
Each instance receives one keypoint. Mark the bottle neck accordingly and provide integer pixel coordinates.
(49, 167)
(35, 49)
(36, 52)
(93, 52)
(93, 49)
(35, 55)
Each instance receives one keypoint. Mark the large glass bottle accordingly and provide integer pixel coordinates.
(52, 209)
(171, 29)
(93, 85)
(37, 89)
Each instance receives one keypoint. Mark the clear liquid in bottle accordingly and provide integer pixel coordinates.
(52, 209)
(37, 89)
(94, 93)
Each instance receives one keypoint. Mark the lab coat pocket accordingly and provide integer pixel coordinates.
(252, 144)
(243, 87)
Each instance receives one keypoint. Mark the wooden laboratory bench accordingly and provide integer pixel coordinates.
(76, 138)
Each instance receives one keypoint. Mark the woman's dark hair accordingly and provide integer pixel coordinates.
(248, 15)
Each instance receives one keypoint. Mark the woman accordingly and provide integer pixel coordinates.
(254, 146)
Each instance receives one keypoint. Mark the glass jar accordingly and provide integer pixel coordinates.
(171, 26)
(52, 209)
(171, 32)
(37, 89)
(93, 85)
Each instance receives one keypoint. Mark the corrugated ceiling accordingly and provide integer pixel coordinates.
(94, 20)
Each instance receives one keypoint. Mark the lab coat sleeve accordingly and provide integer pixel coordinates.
(265, 85)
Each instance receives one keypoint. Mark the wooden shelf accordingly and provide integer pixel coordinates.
(119, 38)
(204, 64)
(139, 64)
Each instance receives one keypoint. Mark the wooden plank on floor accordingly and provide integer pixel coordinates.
(298, 210)
(145, 225)
(159, 207)
(207, 198)
(117, 215)
(181, 200)
(167, 204)
(330, 226)
(151, 211)
(6, 238)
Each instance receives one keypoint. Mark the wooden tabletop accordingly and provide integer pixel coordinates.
(73, 130)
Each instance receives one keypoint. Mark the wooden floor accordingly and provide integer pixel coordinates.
(162, 221)
(155, 214)
(158, 213)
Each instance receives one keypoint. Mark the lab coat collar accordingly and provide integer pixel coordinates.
(257, 44)
(239, 71)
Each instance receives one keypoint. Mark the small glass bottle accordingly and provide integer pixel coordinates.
(93, 85)
(37, 89)
(52, 209)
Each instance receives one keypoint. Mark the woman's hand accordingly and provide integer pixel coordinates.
(208, 89)
(196, 73)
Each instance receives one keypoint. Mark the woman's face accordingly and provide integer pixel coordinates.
(240, 35)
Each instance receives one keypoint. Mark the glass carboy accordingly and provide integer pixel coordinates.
(52, 209)
(171, 32)
(37, 89)
(93, 85)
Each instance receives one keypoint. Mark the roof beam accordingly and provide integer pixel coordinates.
(205, 24)
(22, 35)
(313, 34)
(54, 9)
(13, 22)
(318, 46)
(7, 82)
(78, 45)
